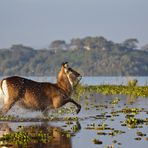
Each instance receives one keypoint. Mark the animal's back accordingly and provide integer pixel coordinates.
(31, 94)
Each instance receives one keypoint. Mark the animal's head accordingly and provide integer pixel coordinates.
(73, 76)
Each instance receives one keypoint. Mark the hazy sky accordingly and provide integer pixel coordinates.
(38, 22)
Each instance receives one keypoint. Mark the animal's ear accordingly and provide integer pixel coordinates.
(65, 64)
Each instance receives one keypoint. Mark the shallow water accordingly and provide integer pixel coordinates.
(113, 121)
(96, 110)
(99, 119)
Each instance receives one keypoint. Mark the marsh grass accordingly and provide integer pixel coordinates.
(133, 90)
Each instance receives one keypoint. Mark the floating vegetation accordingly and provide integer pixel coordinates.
(22, 138)
(101, 133)
(98, 127)
(114, 141)
(140, 134)
(110, 146)
(116, 132)
(129, 115)
(69, 123)
(130, 112)
(102, 127)
(97, 141)
(87, 108)
(111, 133)
(76, 127)
(26, 136)
(115, 101)
(137, 138)
(70, 118)
(113, 89)
(133, 122)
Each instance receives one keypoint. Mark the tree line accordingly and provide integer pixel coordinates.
(91, 56)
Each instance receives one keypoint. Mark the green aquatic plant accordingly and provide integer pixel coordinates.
(140, 134)
(137, 138)
(113, 132)
(96, 141)
(75, 128)
(115, 101)
(19, 138)
(74, 118)
(28, 135)
(116, 132)
(114, 89)
(132, 122)
(98, 127)
(101, 133)
(131, 111)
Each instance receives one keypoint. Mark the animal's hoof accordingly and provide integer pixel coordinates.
(79, 108)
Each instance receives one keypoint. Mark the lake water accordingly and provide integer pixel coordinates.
(119, 80)
(101, 80)
(97, 112)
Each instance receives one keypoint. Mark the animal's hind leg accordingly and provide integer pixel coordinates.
(7, 105)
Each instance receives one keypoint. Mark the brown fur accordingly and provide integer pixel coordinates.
(40, 95)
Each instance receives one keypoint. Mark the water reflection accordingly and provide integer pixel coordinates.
(58, 137)
(131, 99)
(4, 129)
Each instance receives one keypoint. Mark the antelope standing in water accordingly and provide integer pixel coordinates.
(40, 95)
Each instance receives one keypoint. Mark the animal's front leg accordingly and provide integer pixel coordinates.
(72, 101)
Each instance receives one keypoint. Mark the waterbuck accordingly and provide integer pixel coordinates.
(40, 95)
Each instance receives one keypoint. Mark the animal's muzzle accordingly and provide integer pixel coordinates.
(79, 78)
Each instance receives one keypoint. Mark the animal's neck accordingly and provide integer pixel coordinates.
(65, 86)
(64, 83)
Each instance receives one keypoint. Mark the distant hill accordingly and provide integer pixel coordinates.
(91, 56)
